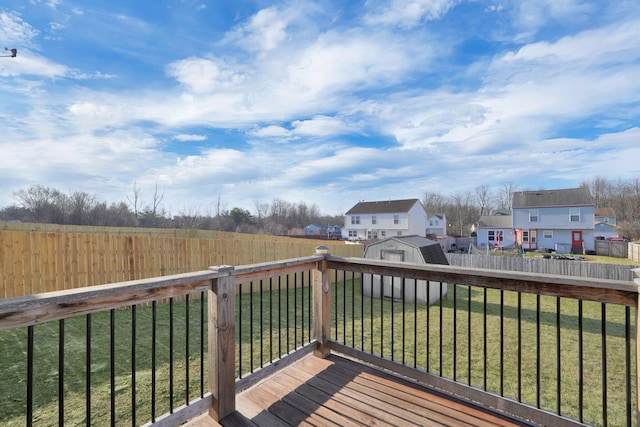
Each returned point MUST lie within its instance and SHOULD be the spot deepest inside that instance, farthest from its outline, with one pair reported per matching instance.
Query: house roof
(431, 250)
(550, 198)
(495, 221)
(605, 212)
(385, 206)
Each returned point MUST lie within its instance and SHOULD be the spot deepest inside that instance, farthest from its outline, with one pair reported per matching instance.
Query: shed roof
(384, 206)
(430, 250)
(550, 198)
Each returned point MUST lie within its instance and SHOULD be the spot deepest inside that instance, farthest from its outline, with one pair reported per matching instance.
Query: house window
(574, 215)
(399, 233)
(529, 236)
(374, 220)
(353, 233)
(533, 215)
(495, 236)
(383, 234)
(547, 234)
(355, 219)
(396, 219)
(606, 220)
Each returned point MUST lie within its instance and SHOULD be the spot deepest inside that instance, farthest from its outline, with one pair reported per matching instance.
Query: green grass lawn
(378, 326)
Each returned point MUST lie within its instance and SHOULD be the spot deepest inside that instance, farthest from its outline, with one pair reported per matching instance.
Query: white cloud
(187, 137)
(264, 31)
(406, 13)
(201, 75)
(531, 15)
(14, 31)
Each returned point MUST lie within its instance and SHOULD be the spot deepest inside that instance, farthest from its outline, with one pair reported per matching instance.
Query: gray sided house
(496, 231)
(415, 249)
(554, 219)
(605, 223)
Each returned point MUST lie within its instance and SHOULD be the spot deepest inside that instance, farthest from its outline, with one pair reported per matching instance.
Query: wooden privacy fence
(33, 262)
(634, 252)
(613, 249)
(544, 266)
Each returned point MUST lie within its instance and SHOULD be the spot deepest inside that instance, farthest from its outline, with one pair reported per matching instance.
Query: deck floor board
(340, 392)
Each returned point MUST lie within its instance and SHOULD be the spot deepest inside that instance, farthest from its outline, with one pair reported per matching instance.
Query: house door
(576, 239)
(392, 286)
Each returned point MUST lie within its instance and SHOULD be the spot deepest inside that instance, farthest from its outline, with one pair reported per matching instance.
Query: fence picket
(44, 259)
(543, 266)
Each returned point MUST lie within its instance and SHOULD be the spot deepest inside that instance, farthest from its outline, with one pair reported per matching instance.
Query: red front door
(576, 239)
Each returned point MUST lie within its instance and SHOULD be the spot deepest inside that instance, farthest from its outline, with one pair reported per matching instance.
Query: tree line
(40, 204)
(462, 209)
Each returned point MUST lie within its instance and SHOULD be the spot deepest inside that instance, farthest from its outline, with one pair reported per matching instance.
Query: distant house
(313, 229)
(605, 223)
(496, 230)
(382, 219)
(437, 225)
(415, 249)
(554, 219)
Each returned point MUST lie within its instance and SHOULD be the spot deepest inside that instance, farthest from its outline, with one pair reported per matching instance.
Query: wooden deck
(342, 392)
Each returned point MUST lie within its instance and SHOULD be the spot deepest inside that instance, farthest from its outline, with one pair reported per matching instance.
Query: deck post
(637, 339)
(222, 357)
(321, 299)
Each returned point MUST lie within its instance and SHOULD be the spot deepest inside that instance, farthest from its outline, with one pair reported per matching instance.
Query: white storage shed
(414, 249)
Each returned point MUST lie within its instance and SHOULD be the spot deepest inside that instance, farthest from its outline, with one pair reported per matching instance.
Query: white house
(496, 230)
(437, 225)
(382, 219)
(562, 220)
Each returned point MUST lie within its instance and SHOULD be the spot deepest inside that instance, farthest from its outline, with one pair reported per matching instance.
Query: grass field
(378, 326)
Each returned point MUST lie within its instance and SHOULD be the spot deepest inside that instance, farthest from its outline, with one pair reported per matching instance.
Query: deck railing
(554, 350)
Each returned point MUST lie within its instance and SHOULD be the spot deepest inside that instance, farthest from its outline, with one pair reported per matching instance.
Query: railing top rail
(265, 270)
(34, 309)
(585, 288)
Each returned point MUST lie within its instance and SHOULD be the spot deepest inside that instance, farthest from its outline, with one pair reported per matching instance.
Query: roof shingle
(385, 206)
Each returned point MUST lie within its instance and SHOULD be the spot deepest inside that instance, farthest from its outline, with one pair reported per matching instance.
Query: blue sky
(326, 102)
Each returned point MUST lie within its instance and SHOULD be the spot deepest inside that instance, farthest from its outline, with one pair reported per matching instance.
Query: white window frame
(574, 214)
(374, 220)
(547, 234)
(355, 219)
(534, 215)
(396, 219)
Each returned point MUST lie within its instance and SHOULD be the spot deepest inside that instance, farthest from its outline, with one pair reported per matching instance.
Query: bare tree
(484, 197)
(505, 195)
(135, 201)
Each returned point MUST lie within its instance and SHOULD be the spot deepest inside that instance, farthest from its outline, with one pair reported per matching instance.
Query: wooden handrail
(588, 289)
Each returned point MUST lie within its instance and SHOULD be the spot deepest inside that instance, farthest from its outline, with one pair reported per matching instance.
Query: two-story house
(382, 219)
(554, 219)
(437, 225)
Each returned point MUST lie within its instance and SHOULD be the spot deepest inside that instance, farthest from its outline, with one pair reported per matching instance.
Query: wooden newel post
(637, 281)
(222, 355)
(321, 300)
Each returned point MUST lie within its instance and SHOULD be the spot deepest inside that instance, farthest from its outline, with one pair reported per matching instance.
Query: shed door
(392, 287)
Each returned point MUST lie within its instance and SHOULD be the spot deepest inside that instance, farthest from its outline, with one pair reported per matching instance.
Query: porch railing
(550, 349)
